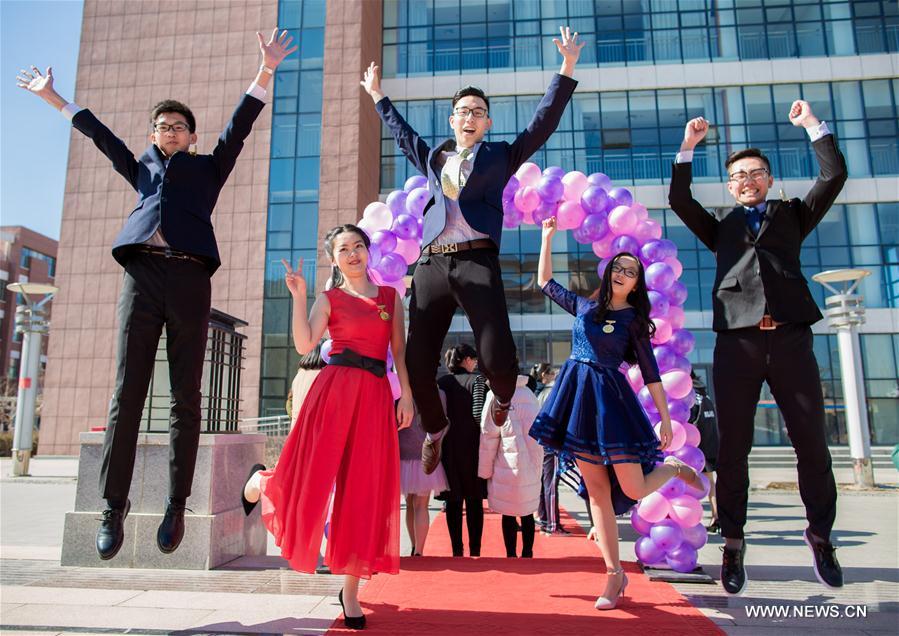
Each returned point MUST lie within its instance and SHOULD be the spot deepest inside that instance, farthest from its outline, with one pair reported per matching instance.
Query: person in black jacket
(762, 313)
(168, 250)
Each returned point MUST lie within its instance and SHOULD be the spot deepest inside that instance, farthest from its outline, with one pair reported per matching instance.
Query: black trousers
(548, 508)
(157, 292)
(474, 520)
(510, 535)
(470, 280)
(784, 358)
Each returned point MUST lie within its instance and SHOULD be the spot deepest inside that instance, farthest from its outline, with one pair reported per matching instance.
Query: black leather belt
(452, 248)
(167, 252)
(349, 358)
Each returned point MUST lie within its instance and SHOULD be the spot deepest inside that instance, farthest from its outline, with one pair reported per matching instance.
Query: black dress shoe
(714, 527)
(733, 572)
(249, 505)
(827, 568)
(111, 533)
(171, 529)
(353, 622)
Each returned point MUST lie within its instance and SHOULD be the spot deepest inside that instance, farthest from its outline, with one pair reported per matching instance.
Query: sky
(34, 137)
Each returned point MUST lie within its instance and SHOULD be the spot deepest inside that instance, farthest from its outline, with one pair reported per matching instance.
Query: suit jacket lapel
(153, 156)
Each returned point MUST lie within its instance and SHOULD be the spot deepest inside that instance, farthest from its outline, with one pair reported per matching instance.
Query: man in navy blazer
(168, 250)
(463, 222)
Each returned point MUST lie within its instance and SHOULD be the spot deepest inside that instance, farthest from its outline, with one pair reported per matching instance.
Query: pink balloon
(663, 331)
(529, 174)
(416, 201)
(379, 214)
(647, 230)
(527, 199)
(639, 524)
(693, 436)
(603, 247)
(640, 211)
(367, 226)
(677, 384)
(399, 286)
(678, 435)
(686, 511)
(635, 378)
(409, 249)
(676, 316)
(675, 265)
(622, 220)
(575, 183)
(395, 387)
(653, 507)
(570, 215)
(326, 350)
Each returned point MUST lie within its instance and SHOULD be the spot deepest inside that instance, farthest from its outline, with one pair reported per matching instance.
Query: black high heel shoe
(249, 505)
(353, 622)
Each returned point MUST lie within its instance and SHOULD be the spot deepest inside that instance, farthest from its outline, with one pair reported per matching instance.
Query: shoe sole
(247, 505)
(125, 516)
(815, 565)
(742, 590)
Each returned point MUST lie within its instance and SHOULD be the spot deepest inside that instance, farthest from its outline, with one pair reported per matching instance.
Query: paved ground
(262, 596)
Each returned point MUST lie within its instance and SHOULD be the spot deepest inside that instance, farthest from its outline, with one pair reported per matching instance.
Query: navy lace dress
(592, 413)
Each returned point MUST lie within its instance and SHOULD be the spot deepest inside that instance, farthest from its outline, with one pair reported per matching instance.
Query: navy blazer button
(163, 199)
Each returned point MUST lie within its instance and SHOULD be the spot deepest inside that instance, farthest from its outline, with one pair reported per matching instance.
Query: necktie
(451, 179)
(754, 219)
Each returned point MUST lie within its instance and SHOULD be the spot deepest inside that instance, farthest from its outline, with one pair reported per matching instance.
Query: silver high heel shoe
(603, 603)
(684, 472)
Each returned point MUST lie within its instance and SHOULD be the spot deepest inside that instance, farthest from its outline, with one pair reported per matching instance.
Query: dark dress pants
(470, 280)
(157, 292)
(548, 508)
(784, 358)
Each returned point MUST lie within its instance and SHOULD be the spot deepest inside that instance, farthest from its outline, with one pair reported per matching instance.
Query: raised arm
(230, 142)
(545, 264)
(83, 120)
(680, 198)
(831, 164)
(407, 140)
(307, 331)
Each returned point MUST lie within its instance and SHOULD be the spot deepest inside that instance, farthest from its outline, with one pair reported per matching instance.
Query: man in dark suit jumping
(463, 223)
(762, 313)
(168, 250)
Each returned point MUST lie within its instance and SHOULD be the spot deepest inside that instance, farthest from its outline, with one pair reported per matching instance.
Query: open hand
(568, 45)
(275, 50)
(34, 82)
(801, 114)
(371, 81)
(296, 284)
(549, 228)
(695, 131)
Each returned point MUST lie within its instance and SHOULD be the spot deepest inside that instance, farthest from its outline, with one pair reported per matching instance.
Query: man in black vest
(762, 313)
(168, 250)
(463, 223)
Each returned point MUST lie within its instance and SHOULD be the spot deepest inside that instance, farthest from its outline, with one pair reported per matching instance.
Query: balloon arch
(668, 520)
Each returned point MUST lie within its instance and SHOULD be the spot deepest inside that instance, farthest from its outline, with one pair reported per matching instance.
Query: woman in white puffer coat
(512, 461)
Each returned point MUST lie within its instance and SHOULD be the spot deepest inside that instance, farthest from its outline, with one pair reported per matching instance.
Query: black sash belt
(349, 358)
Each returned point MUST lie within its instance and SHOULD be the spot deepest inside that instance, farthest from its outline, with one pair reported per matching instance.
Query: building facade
(318, 155)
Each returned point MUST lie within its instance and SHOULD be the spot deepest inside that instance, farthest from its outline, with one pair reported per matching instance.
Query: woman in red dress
(346, 433)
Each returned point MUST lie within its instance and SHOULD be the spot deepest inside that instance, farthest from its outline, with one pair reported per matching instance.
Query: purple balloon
(672, 488)
(691, 456)
(669, 249)
(594, 226)
(683, 364)
(621, 196)
(625, 243)
(554, 171)
(416, 201)
(392, 267)
(550, 189)
(385, 240)
(667, 534)
(659, 304)
(416, 181)
(640, 524)
(396, 201)
(677, 410)
(665, 358)
(600, 180)
(544, 211)
(374, 255)
(682, 341)
(677, 293)
(405, 226)
(699, 494)
(511, 187)
(696, 536)
(645, 398)
(595, 199)
(647, 551)
(682, 559)
(659, 276)
(652, 251)
(602, 265)
(512, 217)
(578, 235)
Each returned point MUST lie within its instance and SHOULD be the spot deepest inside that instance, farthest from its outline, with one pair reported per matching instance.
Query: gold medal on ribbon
(382, 312)
(609, 327)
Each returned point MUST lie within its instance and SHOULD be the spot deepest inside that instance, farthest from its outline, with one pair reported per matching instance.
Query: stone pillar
(351, 129)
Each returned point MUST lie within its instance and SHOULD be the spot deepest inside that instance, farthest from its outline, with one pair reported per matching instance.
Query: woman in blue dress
(592, 413)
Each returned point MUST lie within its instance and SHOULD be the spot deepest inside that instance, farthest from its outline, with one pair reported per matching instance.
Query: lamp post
(32, 324)
(845, 312)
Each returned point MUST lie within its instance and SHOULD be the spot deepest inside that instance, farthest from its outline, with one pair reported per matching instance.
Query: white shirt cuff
(257, 91)
(684, 156)
(816, 132)
(70, 110)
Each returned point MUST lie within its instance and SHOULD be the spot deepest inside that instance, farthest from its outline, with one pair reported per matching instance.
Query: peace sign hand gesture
(296, 284)
(275, 50)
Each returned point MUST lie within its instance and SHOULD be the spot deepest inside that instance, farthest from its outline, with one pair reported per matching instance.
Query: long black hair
(313, 359)
(638, 299)
(336, 279)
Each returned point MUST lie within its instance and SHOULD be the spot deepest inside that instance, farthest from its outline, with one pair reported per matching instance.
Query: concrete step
(785, 457)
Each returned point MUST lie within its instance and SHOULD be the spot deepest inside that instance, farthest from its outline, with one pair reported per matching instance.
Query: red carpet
(552, 593)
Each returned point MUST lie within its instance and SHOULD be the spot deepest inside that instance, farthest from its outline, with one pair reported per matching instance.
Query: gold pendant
(382, 312)
(609, 327)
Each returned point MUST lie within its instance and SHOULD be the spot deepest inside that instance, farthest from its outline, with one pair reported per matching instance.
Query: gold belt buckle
(452, 248)
(767, 323)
